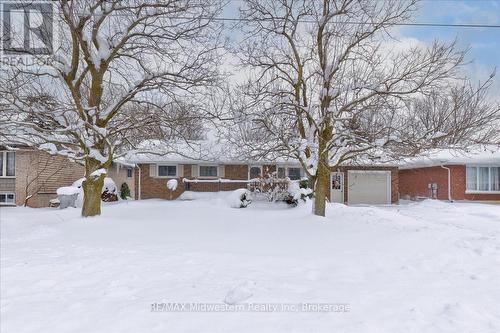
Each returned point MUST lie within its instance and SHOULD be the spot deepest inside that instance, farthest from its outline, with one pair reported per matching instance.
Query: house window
(281, 172)
(129, 172)
(483, 178)
(167, 170)
(208, 171)
(471, 176)
(255, 172)
(7, 199)
(294, 173)
(495, 178)
(7, 164)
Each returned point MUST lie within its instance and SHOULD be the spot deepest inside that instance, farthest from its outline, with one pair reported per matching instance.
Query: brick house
(348, 184)
(33, 176)
(452, 175)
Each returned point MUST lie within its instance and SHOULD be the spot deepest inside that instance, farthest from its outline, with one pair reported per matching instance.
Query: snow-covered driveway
(416, 267)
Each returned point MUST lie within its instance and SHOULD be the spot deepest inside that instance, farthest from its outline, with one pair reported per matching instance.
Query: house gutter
(449, 182)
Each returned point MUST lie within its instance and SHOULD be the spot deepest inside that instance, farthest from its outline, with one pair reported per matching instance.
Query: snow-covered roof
(217, 151)
(199, 151)
(474, 155)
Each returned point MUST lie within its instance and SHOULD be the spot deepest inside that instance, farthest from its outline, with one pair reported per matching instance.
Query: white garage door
(369, 187)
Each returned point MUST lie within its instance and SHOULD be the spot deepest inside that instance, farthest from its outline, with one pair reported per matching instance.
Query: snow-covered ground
(417, 267)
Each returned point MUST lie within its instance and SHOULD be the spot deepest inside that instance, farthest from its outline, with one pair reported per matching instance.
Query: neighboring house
(214, 170)
(452, 175)
(31, 177)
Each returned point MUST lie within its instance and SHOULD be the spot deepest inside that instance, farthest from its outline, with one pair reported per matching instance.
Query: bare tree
(178, 121)
(114, 56)
(459, 116)
(325, 88)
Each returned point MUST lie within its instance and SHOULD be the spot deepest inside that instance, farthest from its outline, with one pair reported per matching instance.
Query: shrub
(239, 198)
(125, 191)
(107, 196)
(297, 191)
(304, 183)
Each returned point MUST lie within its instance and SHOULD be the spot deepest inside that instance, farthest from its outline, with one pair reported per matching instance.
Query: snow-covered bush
(109, 197)
(270, 188)
(172, 184)
(274, 189)
(110, 191)
(124, 191)
(297, 190)
(239, 198)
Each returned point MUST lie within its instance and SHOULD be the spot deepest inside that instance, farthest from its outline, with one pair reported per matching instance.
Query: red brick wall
(153, 187)
(394, 180)
(414, 183)
(237, 172)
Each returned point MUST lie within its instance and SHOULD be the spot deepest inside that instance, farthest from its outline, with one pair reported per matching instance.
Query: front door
(337, 187)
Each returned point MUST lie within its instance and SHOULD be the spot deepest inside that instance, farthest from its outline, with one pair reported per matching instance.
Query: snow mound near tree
(109, 185)
(222, 198)
(76, 187)
(67, 190)
(238, 198)
(190, 195)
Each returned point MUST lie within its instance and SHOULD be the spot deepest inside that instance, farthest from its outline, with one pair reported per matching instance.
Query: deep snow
(417, 267)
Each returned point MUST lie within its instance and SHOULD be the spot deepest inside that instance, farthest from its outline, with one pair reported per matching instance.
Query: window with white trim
(7, 164)
(7, 199)
(294, 173)
(130, 172)
(483, 178)
(208, 171)
(167, 170)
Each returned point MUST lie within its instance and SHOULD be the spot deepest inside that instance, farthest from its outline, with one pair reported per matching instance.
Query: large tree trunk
(92, 188)
(322, 184)
(321, 190)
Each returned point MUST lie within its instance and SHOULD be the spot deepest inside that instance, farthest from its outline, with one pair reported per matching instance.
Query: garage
(369, 187)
